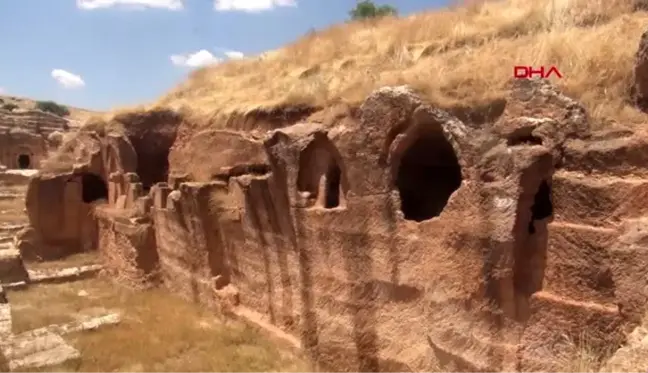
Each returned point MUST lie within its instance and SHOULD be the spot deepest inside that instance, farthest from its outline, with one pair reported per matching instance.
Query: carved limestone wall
(396, 238)
(25, 137)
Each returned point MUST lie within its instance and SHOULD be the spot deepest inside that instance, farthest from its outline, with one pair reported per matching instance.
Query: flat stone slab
(28, 351)
(86, 323)
(12, 227)
(63, 275)
(18, 285)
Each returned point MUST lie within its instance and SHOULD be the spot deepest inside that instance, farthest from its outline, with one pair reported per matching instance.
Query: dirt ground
(159, 332)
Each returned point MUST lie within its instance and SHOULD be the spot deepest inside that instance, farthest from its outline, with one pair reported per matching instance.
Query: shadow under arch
(93, 188)
(24, 161)
(425, 168)
(321, 177)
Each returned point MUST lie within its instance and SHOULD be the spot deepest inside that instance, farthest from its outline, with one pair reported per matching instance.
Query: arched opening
(24, 161)
(320, 179)
(93, 188)
(428, 174)
(332, 190)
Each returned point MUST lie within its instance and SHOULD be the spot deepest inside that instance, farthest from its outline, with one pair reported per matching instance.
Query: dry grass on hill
(462, 56)
(159, 332)
(76, 114)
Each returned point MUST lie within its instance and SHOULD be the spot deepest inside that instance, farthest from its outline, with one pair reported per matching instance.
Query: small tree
(366, 9)
(53, 107)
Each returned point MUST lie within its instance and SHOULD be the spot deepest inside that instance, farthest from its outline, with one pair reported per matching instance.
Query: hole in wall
(523, 136)
(428, 174)
(531, 241)
(542, 207)
(320, 176)
(24, 161)
(524, 140)
(93, 188)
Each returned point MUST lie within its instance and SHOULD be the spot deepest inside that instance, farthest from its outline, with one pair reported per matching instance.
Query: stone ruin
(390, 236)
(27, 136)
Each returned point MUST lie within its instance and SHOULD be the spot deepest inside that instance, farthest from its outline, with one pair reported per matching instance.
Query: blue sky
(99, 54)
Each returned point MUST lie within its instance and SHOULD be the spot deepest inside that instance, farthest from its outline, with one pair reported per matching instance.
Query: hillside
(454, 57)
(76, 114)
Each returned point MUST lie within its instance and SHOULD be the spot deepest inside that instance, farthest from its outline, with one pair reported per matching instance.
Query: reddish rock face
(392, 236)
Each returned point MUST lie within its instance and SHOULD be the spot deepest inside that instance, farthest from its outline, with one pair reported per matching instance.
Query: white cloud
(251, 5)
(201, 58)
(2, 91)
(234, 55)
(67, 79)
(137, 4)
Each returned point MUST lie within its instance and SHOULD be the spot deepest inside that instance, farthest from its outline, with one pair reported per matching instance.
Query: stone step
(40, 351)
(578, 262)
(466, 352)
(619, 155)
(11, 196)
(555, 324)
(64, 275)
(602, 201)
(12, 268)
(630, 258)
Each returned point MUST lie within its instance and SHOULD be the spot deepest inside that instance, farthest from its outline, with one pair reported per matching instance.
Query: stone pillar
(115, 181)
(160, 194)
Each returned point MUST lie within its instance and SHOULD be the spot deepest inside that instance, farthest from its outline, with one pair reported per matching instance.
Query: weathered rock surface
(632, 356)
(390, 236)
(25, 351)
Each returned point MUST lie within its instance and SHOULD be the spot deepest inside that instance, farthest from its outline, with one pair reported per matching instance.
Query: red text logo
(522, 72)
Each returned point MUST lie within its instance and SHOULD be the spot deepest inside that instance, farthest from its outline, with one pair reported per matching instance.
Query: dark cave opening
(429, 173)
(332, 191)
(530, 248)
(93, 188)
(24, 161)
(542, 207)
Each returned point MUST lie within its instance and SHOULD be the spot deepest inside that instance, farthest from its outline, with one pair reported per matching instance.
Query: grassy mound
(461, 56)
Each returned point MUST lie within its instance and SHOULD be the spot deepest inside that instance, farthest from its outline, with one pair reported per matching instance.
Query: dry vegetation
(461, 56)
(159, 332)
(26, 103)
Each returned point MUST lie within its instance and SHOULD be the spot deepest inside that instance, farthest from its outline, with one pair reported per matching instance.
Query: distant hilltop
(71, 113)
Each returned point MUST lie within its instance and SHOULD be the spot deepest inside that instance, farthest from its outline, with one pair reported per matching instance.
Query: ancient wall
(25, 137)
(376, 267)
(399, 239)
(61, 204)
(128, 249)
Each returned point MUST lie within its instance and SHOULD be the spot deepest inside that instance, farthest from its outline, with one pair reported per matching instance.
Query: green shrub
(366, 9)
(53, 107)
